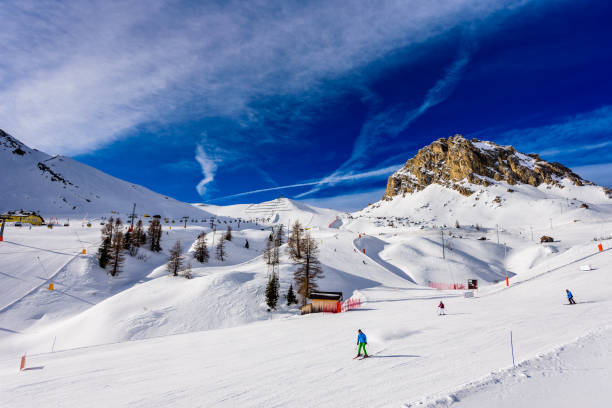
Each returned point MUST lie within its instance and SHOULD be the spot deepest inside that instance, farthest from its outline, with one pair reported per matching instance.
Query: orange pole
(600, 247)
(22, 366)
(507, 282)
(364, 250)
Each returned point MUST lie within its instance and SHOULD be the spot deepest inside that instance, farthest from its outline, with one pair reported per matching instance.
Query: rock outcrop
(462, 164)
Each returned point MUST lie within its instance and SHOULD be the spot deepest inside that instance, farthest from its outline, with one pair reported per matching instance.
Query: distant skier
(570, 297)
(361, 343)
(441, 309)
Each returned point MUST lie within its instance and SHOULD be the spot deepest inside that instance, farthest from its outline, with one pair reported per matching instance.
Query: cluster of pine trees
(116, 240)
(304, 252)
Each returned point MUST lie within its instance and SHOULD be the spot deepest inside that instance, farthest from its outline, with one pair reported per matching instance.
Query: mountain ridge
(465, 166)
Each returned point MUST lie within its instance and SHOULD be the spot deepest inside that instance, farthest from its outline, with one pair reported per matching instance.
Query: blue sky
(231, 102)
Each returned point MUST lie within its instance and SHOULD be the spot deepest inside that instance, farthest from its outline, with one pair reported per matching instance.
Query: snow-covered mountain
(60, 186)
(455, 181)
(281, 210)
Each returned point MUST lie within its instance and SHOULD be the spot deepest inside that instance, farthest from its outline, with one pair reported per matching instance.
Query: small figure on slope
(361, 343)
(441, 309)
(570, 297)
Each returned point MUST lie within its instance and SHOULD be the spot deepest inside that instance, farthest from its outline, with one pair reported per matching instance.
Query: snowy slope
(306, 361)
(278, 211)
(61, 186)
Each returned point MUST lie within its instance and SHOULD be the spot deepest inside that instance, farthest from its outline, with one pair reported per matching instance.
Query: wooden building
(28, 217)
(328, 302)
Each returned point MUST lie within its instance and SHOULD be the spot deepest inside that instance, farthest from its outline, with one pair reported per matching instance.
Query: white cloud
(78, 75)
(209, 168)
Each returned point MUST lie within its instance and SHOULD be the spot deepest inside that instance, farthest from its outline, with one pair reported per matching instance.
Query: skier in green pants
(361, 343)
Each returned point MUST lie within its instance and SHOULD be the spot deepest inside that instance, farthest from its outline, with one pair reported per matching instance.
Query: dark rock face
(460, 164)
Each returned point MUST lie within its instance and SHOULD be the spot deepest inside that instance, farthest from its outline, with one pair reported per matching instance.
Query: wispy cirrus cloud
(345, 178)
(209, 168)
(389, 123)
(76, 76)
(564, 138)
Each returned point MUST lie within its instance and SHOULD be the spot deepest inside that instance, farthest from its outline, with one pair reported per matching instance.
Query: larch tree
(220, 250)
(155, 232)
(296, 241)
(104, 251)
(116, 258)
(269, 252)
(175, 263)
(309, 269)
(201, 249)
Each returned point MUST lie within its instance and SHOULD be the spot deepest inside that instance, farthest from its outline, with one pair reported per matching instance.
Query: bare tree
(201, 249)
(117, 258)
(155, 232)
(175, 262)
(296, 241)
(228, 233)
(220, 250)
(309, 269)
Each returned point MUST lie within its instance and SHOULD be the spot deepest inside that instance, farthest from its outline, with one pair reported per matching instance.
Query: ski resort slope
(59, 186)
(275, 212)
(418, 358)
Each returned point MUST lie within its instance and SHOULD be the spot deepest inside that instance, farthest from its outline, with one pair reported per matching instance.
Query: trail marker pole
(497, 228)
(506, 269)
(23, 363)
(512, 348)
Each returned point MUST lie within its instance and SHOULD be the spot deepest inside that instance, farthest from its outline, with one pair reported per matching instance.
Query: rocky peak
(461, 164)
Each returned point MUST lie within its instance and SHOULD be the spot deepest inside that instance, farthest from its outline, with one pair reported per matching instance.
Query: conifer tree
(220, 250)
(155, 233)
(117, 258)
(272, 291)
(201, 249)
(228, 233)
(309, 269)
(175, 262)
(291, 299)
(246, 244)
(104, 252)
(296, 241)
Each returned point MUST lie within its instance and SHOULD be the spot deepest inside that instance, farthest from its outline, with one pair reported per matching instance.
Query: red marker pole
(507, 282)
(22, 366)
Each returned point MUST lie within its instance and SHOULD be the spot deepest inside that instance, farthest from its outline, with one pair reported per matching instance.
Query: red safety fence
(446, 286)
(350, 304)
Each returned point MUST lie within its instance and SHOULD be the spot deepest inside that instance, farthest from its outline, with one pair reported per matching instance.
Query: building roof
(326, 295)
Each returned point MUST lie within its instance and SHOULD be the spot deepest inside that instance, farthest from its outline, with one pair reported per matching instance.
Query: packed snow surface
(147, 339)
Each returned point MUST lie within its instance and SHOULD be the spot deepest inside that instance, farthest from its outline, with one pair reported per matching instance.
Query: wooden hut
(328, 302)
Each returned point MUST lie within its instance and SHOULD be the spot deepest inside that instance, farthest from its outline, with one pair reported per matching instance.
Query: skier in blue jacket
(361, 343)
(570, 297)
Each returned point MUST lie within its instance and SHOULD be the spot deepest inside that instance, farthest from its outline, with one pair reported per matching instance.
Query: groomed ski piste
(145, 339)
